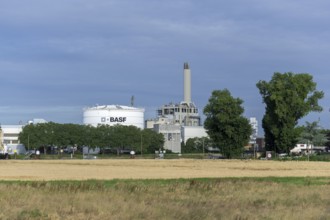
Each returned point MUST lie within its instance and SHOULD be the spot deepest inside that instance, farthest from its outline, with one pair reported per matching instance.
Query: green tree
(326, 132)
(151, 141)
(196, 145)
(192, 146)
(224, 123)
(44, 135)
(313, 134)
(288, 97)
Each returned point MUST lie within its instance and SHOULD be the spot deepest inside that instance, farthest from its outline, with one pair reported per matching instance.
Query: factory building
(9, 142)
(172, 136)
(114, 114)
(253, 137)
(178, 122)
(254, 124)
(9, 139)
(10, 133)
(184, 113)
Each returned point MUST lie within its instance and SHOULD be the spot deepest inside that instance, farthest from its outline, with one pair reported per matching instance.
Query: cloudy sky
(57, 57)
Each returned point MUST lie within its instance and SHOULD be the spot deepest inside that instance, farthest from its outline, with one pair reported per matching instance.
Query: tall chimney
(187, 83)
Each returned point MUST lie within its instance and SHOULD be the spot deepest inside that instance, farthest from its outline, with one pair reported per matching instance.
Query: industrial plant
(176, 121)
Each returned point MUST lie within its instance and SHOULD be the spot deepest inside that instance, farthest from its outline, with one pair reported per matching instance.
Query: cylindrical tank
(114, 114)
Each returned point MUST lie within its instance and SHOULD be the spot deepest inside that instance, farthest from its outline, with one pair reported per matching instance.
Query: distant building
(185, 114)
(172, 136)
(253, 144)
(192, 132)
(10, 133)
(9, 138)
(254, 135)
(37, 121)
(178, 122)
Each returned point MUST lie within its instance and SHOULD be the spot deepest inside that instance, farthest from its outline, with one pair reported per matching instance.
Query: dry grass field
(164, 189)
(222, 198)
(155, 169)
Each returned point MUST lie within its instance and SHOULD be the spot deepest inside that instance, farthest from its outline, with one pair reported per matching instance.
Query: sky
(58, 57)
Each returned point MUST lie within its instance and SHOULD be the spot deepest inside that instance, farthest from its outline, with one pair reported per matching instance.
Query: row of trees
(288, 97)
(117, 137)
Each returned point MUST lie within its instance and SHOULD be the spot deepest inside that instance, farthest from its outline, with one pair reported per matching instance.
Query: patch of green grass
(297, 180)
(99, 185)
(32, 214)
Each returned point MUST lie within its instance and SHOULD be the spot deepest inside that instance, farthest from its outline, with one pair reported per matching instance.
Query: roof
(112, 107)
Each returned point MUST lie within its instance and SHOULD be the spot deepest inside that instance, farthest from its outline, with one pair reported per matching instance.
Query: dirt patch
(154, 169)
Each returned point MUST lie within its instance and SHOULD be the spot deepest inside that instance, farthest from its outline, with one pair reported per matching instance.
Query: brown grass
(155, 169)
(190, 199)
(162, 199)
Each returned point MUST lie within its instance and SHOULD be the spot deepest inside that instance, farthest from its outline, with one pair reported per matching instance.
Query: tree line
(47, 135)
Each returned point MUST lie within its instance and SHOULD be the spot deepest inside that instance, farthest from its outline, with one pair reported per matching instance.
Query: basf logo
(113, 119)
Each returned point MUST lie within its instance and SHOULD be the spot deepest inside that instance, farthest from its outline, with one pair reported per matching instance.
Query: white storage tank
(114, 114)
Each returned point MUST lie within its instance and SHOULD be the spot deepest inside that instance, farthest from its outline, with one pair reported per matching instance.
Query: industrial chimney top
(186, 66)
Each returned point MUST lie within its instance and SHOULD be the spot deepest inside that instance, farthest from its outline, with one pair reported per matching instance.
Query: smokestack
(187, 83)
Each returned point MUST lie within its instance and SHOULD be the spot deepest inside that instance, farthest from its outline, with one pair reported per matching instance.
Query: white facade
(37, 121)
(114, 114)
(9, 139)
(172, 136)
(192, 132)
(254, 135)
(10, 133)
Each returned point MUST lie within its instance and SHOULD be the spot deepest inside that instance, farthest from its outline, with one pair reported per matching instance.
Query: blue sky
(57, 57)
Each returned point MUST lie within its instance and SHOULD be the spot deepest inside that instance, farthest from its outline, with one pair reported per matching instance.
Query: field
(156, 169)
(164, 189)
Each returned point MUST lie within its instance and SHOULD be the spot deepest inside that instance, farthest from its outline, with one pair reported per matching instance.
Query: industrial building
(184, 113)
(254, 144)
(178, 122)
(114, 114)
(172, 135)
(9, 137)
(254, 124)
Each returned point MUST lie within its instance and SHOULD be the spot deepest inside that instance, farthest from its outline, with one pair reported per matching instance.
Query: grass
(201, 198)
(164, 189)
